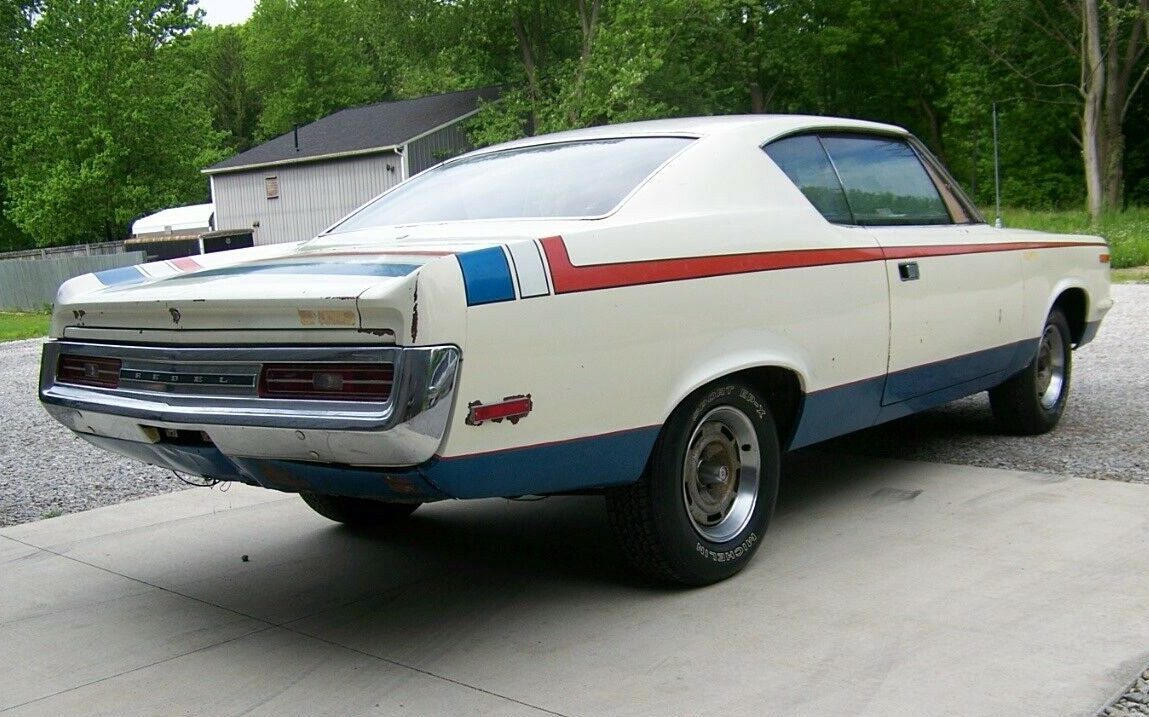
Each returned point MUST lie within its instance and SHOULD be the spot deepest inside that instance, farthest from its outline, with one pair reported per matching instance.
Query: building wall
(440, 145)
(312, 195)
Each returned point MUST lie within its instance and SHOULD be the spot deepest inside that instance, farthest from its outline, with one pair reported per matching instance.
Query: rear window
(565, 180)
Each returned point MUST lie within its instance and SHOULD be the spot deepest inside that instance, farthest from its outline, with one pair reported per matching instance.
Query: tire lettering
(728, 555)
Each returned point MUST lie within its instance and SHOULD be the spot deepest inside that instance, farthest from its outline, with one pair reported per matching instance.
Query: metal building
(294, 186)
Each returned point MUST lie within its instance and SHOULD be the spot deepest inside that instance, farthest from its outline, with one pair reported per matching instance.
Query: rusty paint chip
(327, 317)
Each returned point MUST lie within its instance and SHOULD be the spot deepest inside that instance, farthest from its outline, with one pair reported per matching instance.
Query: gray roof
(362, 129)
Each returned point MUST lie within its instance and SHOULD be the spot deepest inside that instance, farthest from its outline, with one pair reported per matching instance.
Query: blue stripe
(579, 464)
(610, 459)
(123, 275)
(329, 479)
(486, 276)
(1017, 355)
(323, 268)
(840, 410)
(917, 381)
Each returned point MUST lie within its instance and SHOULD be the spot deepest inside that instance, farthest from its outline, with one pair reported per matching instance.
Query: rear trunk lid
(287, 288)
(310, 285)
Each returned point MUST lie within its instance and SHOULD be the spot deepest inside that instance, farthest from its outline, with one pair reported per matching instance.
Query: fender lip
(1089, 333)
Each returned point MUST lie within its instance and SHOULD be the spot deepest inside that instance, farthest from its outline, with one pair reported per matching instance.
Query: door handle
(908, 271)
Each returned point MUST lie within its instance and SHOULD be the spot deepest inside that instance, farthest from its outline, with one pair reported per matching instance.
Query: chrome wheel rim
(1050, 367)
(720, 474)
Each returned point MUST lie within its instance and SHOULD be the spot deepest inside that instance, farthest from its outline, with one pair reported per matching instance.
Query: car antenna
(996, 173)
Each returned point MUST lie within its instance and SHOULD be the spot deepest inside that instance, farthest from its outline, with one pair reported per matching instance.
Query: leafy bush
(1127, 232)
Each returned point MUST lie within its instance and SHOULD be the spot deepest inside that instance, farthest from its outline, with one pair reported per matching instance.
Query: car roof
(766, 126)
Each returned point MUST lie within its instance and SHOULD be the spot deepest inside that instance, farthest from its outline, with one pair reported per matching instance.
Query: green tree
(107, 124)
(307, 59)
(424, 47)
(15, 22)
(218, 52)
(575, 64)
(1090, 55)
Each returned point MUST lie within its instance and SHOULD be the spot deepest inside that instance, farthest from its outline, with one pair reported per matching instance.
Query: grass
(1127, 232)
(14, 326)
(1132, 275)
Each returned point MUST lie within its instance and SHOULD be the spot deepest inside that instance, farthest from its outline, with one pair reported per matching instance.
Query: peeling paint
(399, 484)
(415, 312)
(385, 333)
(175, 315)
(327, 317)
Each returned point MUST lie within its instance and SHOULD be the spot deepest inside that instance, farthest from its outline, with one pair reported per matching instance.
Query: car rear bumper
(191, 407)
(291, 476)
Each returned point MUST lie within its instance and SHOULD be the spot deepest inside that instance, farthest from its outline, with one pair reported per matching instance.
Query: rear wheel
(360, 512)
(700, 509)
(1032, 401)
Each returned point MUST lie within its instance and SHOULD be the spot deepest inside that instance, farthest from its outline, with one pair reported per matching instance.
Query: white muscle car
(652, 311)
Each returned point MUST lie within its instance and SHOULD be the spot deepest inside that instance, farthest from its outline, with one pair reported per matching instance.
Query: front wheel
(1032, 401)
(358, 512)
(699, 511)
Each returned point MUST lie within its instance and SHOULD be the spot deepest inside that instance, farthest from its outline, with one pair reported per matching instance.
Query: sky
(226, 12)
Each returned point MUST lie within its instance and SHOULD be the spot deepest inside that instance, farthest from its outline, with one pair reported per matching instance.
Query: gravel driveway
(1101, 435)
(45, 471)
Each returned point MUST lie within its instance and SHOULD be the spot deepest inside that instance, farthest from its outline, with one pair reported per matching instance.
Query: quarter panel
(1050, 272)
(617, 359)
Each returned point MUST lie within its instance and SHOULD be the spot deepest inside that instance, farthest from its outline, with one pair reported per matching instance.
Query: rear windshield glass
(572, 179)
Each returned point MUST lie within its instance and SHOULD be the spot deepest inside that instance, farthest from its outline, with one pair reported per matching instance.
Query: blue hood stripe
(124, 275)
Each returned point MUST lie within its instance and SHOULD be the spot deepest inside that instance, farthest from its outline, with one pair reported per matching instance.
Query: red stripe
(915, 252)
(320, 255)
(570, 278)
(185, 263)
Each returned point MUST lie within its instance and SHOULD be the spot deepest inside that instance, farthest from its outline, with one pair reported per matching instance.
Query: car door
(845, 302)
(955, 294)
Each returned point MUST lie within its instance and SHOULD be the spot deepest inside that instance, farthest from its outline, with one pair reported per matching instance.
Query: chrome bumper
(405, 430)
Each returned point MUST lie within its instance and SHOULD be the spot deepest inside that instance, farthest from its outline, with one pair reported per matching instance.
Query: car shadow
(917, 436)
(559, 539)
(570, 538)
(464, 555)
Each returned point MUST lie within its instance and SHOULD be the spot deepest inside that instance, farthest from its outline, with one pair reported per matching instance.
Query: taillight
(88, 371)
(331, 382)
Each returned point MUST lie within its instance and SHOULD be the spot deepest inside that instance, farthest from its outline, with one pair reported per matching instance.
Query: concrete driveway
(885, 588)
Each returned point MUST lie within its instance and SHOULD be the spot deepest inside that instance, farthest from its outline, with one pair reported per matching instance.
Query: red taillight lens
(88, 371)
(331, 382)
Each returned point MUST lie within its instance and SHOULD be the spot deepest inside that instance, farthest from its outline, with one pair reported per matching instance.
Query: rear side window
(804, 161)
(885, 182)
